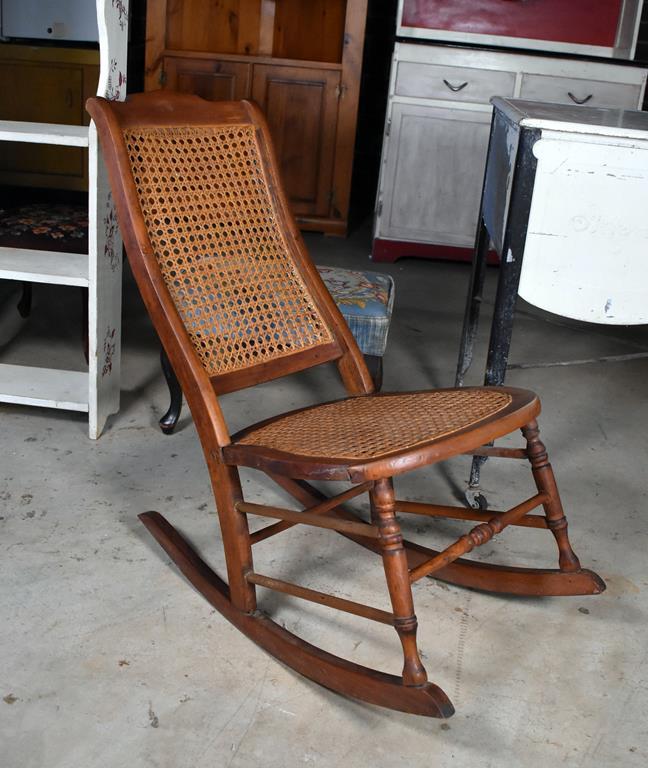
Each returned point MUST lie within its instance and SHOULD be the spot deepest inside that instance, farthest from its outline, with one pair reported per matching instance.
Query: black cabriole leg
(25, 304)
(170, 419)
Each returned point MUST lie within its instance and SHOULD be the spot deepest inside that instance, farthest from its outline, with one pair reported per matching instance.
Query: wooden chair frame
(292, 469)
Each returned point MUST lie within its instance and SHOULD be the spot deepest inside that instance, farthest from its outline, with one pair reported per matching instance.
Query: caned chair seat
(361, 438)
(236, 301)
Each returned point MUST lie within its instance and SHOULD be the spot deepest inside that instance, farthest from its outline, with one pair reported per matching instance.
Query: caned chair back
(208, 229)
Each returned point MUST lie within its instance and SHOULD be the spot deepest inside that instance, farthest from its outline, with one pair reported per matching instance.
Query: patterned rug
(46, 226)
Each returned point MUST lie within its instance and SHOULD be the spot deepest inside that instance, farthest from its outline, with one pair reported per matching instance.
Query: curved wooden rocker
(236, 301)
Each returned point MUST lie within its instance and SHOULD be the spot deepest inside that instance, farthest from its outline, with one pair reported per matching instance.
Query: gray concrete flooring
(108, 658)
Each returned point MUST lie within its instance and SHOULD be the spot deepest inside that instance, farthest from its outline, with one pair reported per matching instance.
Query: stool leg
(170, 419)
(375, 366)
(397, 576)
(545, 481)
(25, 304)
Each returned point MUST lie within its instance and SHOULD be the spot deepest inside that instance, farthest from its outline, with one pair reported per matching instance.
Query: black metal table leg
(473, 303)
(514, 240)
(170, 419)
(511, 260)
(498, 352)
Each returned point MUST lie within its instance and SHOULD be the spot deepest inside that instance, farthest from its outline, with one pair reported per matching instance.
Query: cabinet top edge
(243, 58)
(50, 54)
(600, 121)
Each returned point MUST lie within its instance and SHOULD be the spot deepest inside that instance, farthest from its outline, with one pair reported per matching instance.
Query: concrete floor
(110, 659)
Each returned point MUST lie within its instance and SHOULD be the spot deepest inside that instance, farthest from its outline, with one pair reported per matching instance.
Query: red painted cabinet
(600, 27)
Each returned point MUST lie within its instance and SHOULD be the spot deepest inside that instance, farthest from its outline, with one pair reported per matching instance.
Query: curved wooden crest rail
(236, 301)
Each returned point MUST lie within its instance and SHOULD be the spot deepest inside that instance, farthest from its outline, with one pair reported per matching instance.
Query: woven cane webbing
(210, 219)
(375, 425)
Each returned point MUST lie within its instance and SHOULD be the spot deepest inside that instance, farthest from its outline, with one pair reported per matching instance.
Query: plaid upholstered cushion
(365, 300)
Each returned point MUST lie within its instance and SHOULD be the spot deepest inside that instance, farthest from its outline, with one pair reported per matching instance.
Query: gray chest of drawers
(437, 127)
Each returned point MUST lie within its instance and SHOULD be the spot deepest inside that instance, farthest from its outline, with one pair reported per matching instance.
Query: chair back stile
(214, 249)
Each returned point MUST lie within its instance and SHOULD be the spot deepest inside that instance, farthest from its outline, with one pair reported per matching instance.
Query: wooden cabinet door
(41, 93)
(301, 105)
(431, 186)
(211, 79)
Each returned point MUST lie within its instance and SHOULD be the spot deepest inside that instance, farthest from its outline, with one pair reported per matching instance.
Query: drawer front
(433, 81)
(574, 90)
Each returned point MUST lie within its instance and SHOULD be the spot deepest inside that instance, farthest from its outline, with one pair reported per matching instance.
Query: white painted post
(105, 243)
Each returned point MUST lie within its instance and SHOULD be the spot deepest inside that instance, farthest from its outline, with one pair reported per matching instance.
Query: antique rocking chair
(236, 301)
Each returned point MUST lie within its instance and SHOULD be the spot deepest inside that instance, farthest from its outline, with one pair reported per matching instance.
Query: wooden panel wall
(309, 31)
(226, 26)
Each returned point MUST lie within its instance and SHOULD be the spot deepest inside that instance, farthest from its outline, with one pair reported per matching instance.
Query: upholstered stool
(365, 300)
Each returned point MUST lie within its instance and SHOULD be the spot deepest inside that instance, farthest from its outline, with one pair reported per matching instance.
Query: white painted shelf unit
(97, 390)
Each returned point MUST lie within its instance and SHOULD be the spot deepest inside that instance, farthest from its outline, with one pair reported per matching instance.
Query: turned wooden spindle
(397, 576)
(546, 482)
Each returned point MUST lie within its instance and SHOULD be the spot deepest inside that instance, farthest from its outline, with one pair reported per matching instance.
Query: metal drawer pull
(577, 100)
(455, 88)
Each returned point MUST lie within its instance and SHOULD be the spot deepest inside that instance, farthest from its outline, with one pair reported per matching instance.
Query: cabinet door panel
(300, 104)
(432, 183)
(55, 95)
(211, 79)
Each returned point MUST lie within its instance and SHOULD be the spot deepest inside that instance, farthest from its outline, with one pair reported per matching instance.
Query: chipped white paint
(105, 253)
(44, 133)
(587, 239)
(498, 181)
(45, 387)
(44, 266)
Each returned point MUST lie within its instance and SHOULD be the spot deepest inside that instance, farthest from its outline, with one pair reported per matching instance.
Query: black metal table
(595, 166)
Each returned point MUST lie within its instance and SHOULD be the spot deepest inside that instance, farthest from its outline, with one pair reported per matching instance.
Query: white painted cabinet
(584, 252)
(97, 391)
(437, 128)
(439, 153)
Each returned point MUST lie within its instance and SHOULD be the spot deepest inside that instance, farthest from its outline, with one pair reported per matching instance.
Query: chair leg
(545, 481)
(398, 583)
(239, 592)
(333, 672)
(236, 536)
